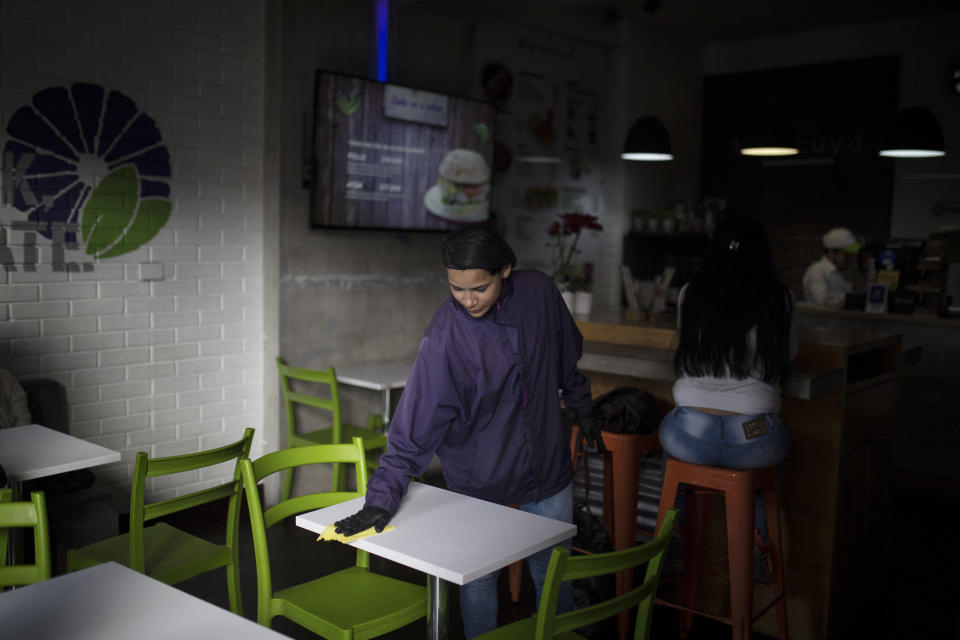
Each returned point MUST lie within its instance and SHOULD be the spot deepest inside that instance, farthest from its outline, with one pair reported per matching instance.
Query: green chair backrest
(28, 515)
(146, 467)
(292, 397)
(254, 471)
(563, 567)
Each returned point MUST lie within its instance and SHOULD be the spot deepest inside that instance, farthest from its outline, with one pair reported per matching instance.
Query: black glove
(591, 432)
(363, 520)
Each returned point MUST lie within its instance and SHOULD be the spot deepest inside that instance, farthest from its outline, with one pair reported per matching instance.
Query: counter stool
(738, 488)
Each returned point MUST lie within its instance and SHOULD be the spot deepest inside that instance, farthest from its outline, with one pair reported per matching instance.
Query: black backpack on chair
(627, 410)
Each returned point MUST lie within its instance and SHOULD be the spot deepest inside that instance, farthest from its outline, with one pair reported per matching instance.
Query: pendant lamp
(648, 141)
(768, 134)
(915, 133)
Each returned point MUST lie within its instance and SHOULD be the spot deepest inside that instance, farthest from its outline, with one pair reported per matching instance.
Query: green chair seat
(348, 433)
(169, 554)
(352, 603)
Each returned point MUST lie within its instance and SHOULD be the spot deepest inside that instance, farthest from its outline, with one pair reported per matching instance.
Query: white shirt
(823, 283)
(750, 395)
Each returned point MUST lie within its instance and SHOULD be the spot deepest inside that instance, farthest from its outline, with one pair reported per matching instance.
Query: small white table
(33, 451)
(384, 376)
(450, 537)
(111, 602)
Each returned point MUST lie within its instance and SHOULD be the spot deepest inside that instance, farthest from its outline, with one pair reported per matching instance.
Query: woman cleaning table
(482, 395)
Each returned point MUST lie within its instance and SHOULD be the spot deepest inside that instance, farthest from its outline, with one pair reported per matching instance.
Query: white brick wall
(174, 365)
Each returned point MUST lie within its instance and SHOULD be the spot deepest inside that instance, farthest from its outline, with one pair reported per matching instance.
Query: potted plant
(574, 279)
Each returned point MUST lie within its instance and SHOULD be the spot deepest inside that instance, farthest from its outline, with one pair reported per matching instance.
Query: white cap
(841, 238)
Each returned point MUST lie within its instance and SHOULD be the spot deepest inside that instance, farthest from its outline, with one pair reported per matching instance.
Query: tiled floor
(922, 602)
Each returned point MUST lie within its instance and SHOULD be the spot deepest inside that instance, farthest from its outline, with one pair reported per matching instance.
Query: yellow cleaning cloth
(330, 534)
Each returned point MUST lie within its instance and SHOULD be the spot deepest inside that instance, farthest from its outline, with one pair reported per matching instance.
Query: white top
(824, 283)
(33, 451)
(449, 535)
(379, 377)
(749, 396)
(112, 602)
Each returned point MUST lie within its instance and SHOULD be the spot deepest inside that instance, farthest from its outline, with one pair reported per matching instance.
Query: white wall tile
(151, 337)
(20, 329)
(96, 341)
(124, 390)
(174, 352)
(205, 365)
(34, 346)
(173, 385)
(127, 425)
(152, 404)
(19, 293)
(99, 410)
(28, 310)
(135, 355)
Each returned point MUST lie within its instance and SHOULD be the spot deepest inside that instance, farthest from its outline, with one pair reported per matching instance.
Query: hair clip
(734, 245)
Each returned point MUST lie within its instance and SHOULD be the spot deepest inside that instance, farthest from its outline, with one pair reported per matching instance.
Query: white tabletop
(377, 376)
(449, 535)
(34, 451)
(111, 602)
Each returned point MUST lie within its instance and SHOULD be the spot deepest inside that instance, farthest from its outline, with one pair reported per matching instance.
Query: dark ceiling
(703, 19)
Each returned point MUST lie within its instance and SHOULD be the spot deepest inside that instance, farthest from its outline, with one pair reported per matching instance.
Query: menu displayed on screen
(393, 157)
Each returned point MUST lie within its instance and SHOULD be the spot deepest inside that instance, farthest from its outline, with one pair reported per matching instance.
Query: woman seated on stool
(737, 330)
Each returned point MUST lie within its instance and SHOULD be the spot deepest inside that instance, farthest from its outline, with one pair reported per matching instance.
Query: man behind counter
(825, 281)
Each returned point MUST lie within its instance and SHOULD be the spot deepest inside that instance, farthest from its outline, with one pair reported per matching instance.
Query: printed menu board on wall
(393, 157)
(548, 92)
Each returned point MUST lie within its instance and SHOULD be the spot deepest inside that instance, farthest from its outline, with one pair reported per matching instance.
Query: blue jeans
(721, 441)
(478, 599)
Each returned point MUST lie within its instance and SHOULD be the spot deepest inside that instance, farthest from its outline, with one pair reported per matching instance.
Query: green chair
(318, 389)
(25, 515)
(546, 623)
(350, 604)
(163, 551)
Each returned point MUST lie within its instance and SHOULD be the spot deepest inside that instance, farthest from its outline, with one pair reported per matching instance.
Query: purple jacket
(483, 395)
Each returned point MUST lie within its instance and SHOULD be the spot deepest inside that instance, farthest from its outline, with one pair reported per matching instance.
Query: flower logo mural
(90, 160)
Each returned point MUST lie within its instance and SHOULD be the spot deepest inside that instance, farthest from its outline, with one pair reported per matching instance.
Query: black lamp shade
(769, 133)
(648, 140)
(915, 133)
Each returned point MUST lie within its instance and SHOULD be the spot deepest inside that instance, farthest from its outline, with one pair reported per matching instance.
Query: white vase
(582, 303)
(568, 297)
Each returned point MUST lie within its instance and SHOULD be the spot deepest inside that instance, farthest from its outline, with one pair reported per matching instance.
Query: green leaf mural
(112, 223)
(347, 105)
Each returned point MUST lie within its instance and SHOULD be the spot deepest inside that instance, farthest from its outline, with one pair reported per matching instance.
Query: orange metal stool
(738, 488)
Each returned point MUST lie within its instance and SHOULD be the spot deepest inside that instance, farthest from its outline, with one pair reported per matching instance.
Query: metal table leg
(438, 619)
(386, 408)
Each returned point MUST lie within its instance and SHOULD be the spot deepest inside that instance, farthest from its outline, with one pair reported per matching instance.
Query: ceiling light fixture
(769, 134)
(915, 133)
(648, 141)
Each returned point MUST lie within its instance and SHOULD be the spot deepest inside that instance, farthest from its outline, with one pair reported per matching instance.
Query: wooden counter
(917, 318)
(840, 405)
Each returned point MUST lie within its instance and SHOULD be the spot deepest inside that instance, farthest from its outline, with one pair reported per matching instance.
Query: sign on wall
(548, 91)
(83, 165)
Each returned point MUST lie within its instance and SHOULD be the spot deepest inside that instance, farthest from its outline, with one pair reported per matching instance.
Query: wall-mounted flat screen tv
(393, 157)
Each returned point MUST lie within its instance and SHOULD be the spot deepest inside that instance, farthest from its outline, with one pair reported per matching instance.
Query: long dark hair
(476, 246)
(735, 289)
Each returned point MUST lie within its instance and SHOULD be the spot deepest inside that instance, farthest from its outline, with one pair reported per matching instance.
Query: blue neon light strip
(383, 22)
